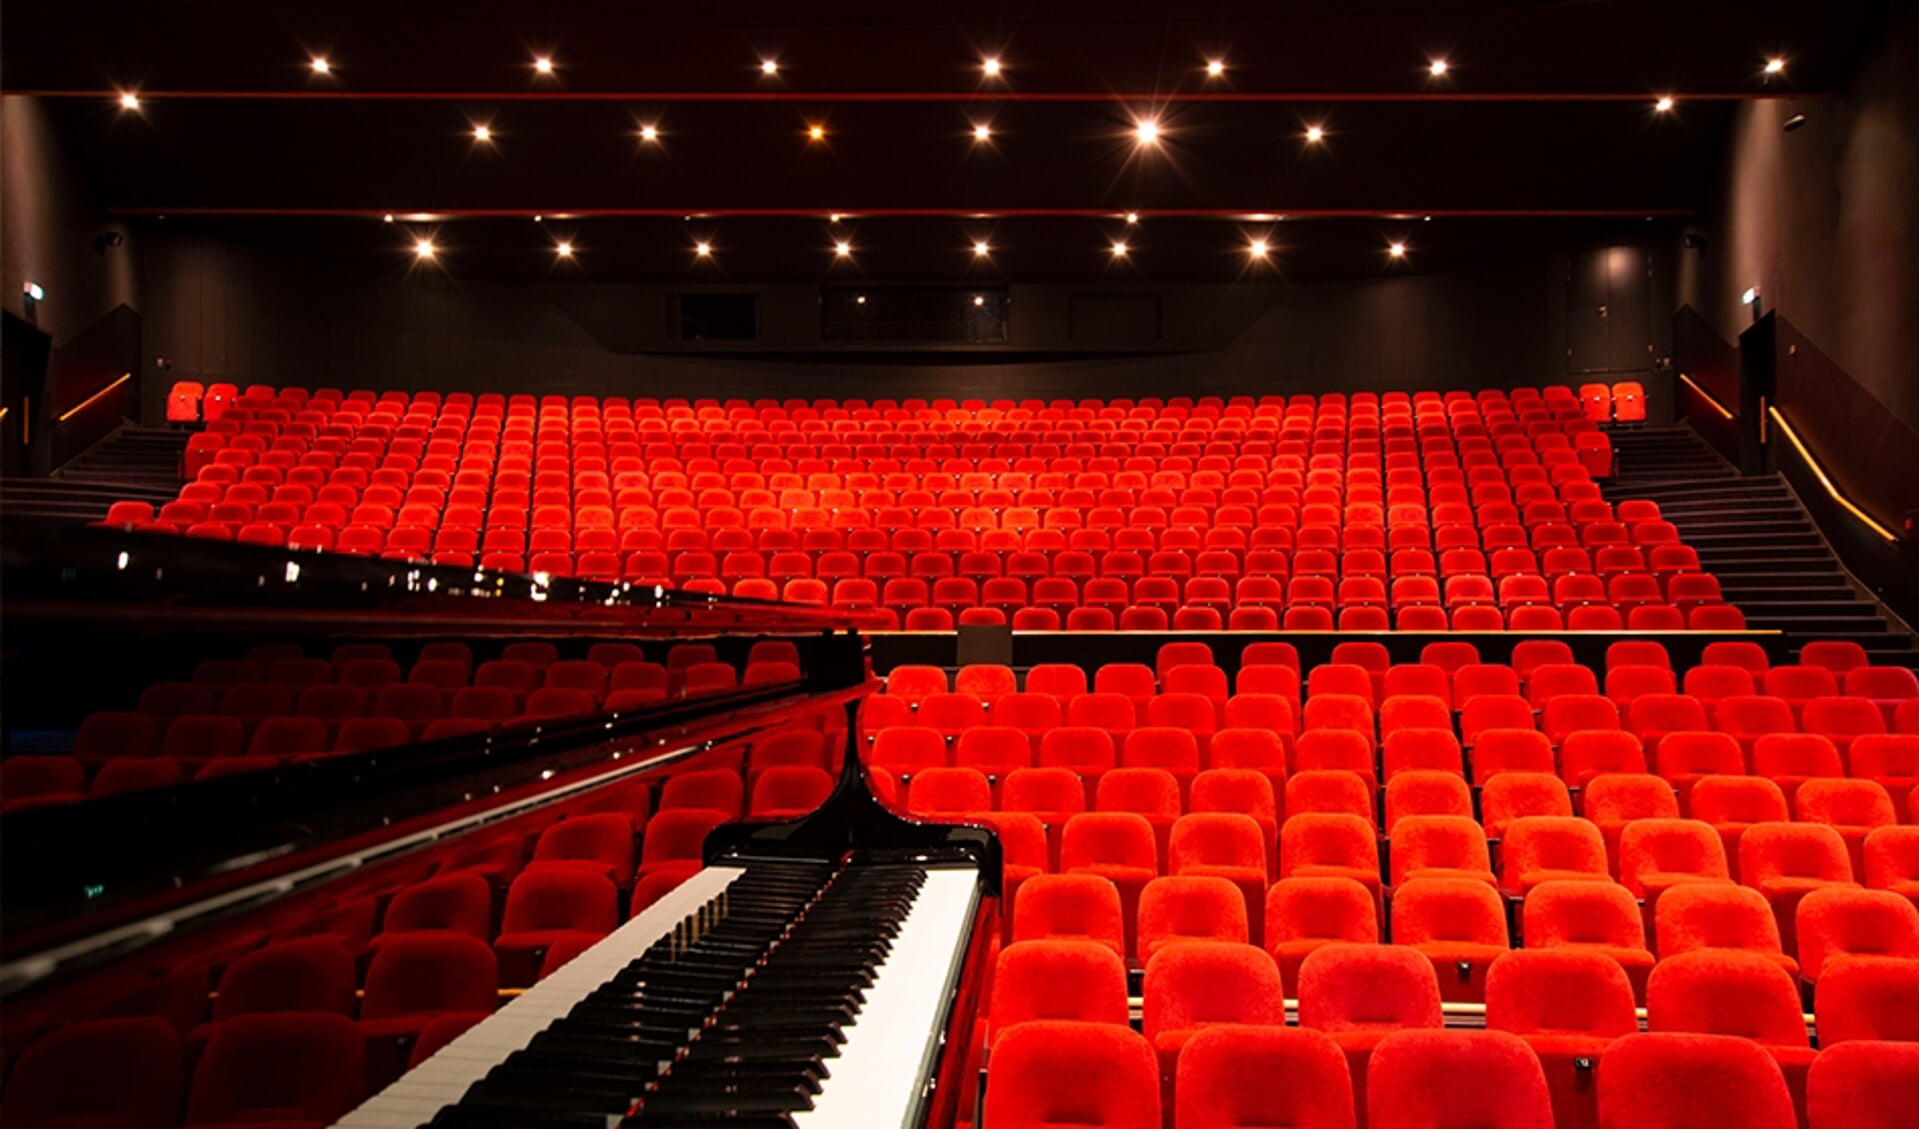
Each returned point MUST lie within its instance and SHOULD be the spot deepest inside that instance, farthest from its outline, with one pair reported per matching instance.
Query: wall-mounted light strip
(1820, 473)
(1711, 401)
(88, 402)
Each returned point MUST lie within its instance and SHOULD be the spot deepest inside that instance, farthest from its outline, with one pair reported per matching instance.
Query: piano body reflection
(821, 971)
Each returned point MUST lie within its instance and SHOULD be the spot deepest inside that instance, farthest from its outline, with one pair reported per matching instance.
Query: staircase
(139, 464)
(1752, 533)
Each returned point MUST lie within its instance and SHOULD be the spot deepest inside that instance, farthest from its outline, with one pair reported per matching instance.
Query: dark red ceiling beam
(436, 214)
(907, 96)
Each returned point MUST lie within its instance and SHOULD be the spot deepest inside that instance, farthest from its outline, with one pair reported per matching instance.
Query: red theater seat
(118, 1073)
(290, 1069)
(1050, 1073)
(1056, 980)
(1683, 1081)
(1234, 1076)
(1425, 1079)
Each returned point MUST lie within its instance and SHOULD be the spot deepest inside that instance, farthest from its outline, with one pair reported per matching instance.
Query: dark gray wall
(47, 227)
(1825, 221)
(221, 310)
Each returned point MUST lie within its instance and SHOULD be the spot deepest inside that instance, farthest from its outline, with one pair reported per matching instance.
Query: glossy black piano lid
(57, 571)
(69, 868)
(854, 819)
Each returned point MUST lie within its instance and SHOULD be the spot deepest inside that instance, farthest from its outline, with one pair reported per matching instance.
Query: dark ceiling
(1544, 119)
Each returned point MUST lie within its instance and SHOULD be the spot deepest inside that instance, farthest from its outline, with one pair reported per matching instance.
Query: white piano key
(442, 1079)
(879, 1077)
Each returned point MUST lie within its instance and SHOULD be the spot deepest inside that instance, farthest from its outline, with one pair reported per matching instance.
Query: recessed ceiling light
(387, 218)
(834, 218)
(1215, 67)
(1148, 131)
(816, 132)
(1257, 248)
(319, 64)
(423, 248)
(1397, 250)
(543, 64)
(981, 248)
(979, 300)
(129, 100)
(1437, 68)
(1119, 248)
(702, 249)
(1132, 217)
(1664, 105)
(842, 249)
(563, 250)
(1776, 65)
(990, 65)
(860, 300)
(1315, 134)
(482, 133)
(769, 66)
(649, 133)
(982, 132)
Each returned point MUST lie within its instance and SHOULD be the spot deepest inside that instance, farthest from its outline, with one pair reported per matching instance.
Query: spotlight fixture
(816, 132)
(842, 249)
(769, 66)
(482, 133)
(1147, 130)
(1665, 104)
(979, 300)
(387, 218)
(1397, 250)
(981, 249)
(423, 249)
(1215, 67)
(859, 300)
(543, 65)
(1257, 248)
(129, 100)
(1119, 248)
(834, 218)
(649, 133)
(1750, 296)
(982, 132)
(703, 250)
(990, 65)
(563, 249)
(1132, 217)
(1793, 122)
(1315, 134)
(320, 65)
(1776, 65)
(34, 291)
(1437, 68)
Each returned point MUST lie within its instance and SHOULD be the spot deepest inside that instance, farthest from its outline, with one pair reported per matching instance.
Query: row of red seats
(1216, 1063)
(1624, 401)
(413, 526)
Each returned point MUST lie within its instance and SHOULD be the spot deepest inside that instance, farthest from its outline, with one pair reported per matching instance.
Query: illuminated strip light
(1819, 472)
(88, 402)
(1711, 401)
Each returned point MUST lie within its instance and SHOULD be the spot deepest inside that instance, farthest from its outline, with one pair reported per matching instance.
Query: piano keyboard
(442, 1079)
(880, 1075)
(788, 995)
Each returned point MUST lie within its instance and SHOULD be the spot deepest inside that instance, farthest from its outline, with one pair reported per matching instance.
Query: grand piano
(818, 971)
